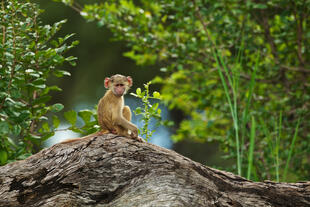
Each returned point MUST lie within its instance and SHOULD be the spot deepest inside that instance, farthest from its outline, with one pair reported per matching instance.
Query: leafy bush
(29, 54)
(88, 119)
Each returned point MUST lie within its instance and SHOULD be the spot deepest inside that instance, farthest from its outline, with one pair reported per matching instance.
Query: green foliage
(292, 146)
(149, 111)
(239, 120)
(83, 122)
(183, 35)
(251, 149)
(29, 55)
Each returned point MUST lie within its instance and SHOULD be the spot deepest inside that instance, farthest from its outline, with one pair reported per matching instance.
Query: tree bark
(109, 170)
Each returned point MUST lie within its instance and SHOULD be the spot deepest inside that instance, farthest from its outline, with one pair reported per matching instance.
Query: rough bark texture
(115, 171)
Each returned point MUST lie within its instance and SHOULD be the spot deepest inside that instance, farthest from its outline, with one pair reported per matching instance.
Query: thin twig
(61, 130)
(295, 69)
(204, 24)
(76, 7)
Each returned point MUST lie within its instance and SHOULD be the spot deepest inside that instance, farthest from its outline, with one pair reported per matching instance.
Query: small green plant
(148, 111)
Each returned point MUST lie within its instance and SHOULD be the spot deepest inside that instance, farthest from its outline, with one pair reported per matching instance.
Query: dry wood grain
(109, 170)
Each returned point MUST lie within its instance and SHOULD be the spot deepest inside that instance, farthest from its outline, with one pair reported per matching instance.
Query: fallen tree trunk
(115, 171)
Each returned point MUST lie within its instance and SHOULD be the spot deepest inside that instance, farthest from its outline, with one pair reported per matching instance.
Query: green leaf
(39, 81)
(68, 36)
(51, 88)
(56, 121)
(155, 106)
(71, 58)
(159, 111)
(142, 94)
(260, 6)
(68, 2)
(15, 93)
(85, 115)
(11, 142)
(47, 135)
(57, 107)
(16, 130)
(163, 69)
(42, 99)
(71, 117)
(42, 86)
(138, 111)
(33, 138)
(4, 95)
(3, 156)
(24, 156)
(156, 95)
(61, 73)
(9, 56)
(45, 127)
(138, 91)
(75, 42)
(54, 88)
(76, 129)
(4, 127)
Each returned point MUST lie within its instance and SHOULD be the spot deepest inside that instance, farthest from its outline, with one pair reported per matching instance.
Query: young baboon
(113, 116)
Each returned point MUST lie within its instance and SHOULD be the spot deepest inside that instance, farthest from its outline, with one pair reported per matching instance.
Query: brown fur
(113, 116)
(90, 135)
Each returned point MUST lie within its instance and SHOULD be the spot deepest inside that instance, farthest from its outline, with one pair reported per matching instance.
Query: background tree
(185, 38)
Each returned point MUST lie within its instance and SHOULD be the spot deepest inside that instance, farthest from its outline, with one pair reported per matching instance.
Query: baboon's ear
(129, 79)
(106, 82)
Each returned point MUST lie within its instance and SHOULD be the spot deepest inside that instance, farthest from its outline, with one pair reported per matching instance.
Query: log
(109, 170)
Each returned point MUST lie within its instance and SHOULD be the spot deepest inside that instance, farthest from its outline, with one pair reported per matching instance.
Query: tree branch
(268, 36)
(109, 170)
